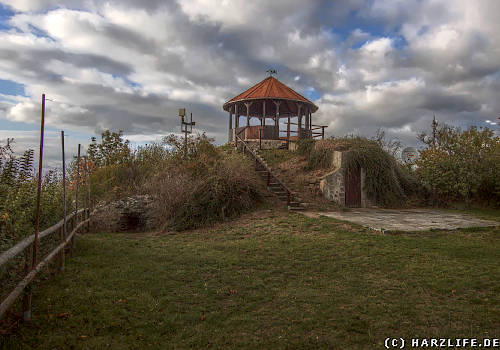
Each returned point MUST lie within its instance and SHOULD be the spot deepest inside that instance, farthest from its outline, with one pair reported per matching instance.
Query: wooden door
(353, 188)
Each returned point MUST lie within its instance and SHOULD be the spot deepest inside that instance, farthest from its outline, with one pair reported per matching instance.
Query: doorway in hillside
(352, 180)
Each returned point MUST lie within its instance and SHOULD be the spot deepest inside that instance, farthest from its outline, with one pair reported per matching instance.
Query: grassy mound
(208, 185)
(388, 183)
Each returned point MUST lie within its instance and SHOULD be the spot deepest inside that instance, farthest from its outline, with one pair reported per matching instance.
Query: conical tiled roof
(270, 88)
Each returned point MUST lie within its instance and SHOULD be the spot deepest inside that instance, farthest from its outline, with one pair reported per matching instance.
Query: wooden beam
(264, 112)
(247, 105)
(288, 130)
(299, 120)
(236, 116)
(277, 115)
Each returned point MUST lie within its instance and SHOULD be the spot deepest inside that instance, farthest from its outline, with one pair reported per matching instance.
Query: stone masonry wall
(266, 144)
(332, 184)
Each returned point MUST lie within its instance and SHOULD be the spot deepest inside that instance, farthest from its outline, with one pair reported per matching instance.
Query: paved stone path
(406, 219)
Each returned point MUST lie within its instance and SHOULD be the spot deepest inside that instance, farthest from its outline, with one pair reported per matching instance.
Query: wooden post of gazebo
(264, 113)
(277, 115)
(307, 120)
(299, 121)
(288, 130)
(229, 136)
(247, 105)
(236, 117)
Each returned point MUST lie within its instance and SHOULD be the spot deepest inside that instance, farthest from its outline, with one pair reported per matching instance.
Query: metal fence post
(85, 213)
(75, 218)
(63, 230)
(39, 190)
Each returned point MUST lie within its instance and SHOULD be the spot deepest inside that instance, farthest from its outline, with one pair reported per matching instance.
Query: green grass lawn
(274, 282)
(482, 213)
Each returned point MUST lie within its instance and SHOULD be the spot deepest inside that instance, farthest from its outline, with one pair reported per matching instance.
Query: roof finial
(271, 72)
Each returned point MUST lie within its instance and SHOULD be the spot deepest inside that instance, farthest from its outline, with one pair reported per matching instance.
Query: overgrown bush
(192, 182)
(305, 146)
(317, 157)
(386, 181)
(200, 187)
(461, 165)
(118, 170)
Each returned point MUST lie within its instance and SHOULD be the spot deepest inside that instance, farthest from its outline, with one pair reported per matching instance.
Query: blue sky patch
(9, 87)
(5, 14)
(312, 94)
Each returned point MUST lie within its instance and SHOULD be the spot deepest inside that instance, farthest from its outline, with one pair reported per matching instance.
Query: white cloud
(130, 64)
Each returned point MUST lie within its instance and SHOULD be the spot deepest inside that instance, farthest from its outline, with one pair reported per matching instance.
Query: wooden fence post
(61, 254)
(27, 290)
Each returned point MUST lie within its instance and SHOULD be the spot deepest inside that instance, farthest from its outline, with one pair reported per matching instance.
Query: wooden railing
(313, 130)
(75, 221)
(260, 162)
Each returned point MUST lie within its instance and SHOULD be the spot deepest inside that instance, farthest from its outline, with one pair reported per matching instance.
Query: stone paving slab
(406, 219)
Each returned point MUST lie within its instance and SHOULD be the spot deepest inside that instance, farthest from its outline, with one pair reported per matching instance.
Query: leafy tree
(461, 164)
(112, 149)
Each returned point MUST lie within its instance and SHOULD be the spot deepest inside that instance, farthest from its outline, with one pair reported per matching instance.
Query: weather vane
(271, 72)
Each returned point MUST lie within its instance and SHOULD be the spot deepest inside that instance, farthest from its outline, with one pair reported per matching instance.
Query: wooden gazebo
(271, 99)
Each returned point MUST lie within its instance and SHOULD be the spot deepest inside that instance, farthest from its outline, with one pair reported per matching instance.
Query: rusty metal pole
(89, 199)
(39, 191)
(85, 175)
(63, 231)
(76, 196)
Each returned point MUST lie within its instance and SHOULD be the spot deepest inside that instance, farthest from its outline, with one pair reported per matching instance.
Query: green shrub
(461, 165)
(319, 158)
(305, 146)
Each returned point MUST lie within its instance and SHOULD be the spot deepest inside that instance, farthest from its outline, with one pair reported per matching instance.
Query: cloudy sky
(130, 64)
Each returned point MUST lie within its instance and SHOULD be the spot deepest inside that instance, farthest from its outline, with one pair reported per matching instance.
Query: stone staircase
(273, 183)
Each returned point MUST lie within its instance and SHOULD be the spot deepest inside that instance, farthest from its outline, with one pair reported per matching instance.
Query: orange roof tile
(270, 88)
